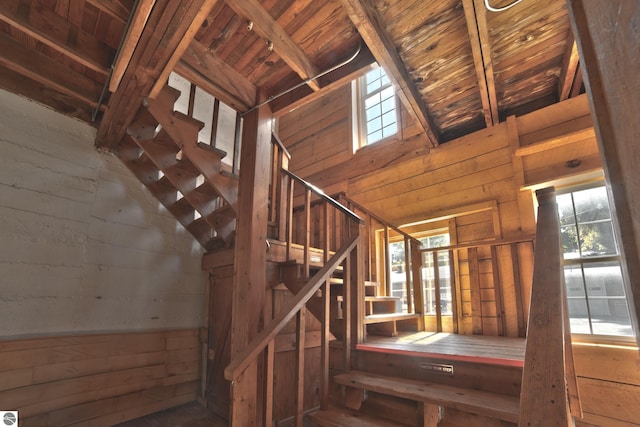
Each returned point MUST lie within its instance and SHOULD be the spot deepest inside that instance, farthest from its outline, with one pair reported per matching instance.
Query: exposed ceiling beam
(166, 27)
(203, 68)
(58, 34)
(131, 39)
(479, 37)
(183, 45)
(283, 44)
(113, 8)
(476, 49)
(46, 71)
(330, 82)
(372, 30)
(569, 68)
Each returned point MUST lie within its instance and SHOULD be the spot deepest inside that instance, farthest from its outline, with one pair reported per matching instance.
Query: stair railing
(549, 390)
(412, 263)
(344, 253)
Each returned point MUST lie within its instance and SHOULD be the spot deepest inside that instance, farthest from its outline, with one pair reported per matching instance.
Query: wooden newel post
(250, 259)
(544, 398)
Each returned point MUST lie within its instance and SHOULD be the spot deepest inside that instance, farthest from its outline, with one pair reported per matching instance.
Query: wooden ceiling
(457, 66)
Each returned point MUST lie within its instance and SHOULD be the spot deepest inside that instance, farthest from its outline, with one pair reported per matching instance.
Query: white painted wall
(83, 245)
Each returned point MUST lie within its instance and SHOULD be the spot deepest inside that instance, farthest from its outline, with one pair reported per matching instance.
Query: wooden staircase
(161, 148)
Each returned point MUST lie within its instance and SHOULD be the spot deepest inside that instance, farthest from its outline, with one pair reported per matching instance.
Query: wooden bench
(495, 405)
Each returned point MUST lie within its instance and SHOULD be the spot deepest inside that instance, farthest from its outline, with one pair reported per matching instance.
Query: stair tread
(186, 118)
(212, 149)
(373, 298)
(335, 417)
(495, 405)
(388, 317)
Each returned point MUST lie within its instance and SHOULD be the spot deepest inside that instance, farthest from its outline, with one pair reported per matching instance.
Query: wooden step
(389, 317)
(343, 417)
(494, 405)
(213, 149)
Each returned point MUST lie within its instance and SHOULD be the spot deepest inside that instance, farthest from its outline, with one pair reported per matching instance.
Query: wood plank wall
(220, 268)
(609, 385)
(98, 379)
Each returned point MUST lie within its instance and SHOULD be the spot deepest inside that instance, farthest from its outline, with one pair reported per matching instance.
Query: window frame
(358, 90)
(581, 261)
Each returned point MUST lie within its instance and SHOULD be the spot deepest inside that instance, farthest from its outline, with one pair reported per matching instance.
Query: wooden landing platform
(467, 348)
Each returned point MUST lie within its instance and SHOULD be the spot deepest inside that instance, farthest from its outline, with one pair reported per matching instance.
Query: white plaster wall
(83, 245)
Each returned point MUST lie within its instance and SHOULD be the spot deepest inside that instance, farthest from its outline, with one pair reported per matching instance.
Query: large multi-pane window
(429, 275)
(596, 295)
(378, 113)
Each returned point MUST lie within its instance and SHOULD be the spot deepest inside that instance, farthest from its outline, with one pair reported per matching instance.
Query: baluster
(407, 275)
(307, 230)
(436, 285)
(387, 262)
(455, 281)
(300, 344)
(290, 217)
(324, 351)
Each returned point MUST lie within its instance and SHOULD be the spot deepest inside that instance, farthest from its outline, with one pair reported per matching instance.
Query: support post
(250, 259)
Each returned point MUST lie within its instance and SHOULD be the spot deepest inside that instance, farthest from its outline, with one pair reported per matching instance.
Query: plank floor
(189, 415)
(472, 348)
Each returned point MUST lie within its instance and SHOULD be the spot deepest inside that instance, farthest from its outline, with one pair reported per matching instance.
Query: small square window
(376, 108)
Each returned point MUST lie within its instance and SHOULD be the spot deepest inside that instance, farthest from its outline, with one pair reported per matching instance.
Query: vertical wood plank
(268, 386)
(455, 295)
(436, 285)
(237, 144)
(429, 414)
(324, 351)
(517, 285)
(407, 275)
(474, 280)
(214, 121)
(250, 258)
(416, 270)
(300, 340)
(273, 206)
(387, 262)
(282, 197)
(497, 287)
(346, 314)
(307, 230)
(289, 221)
(607, 33)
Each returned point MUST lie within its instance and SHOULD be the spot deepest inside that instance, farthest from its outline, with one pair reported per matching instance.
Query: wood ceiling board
(48, 72)
(528, 45)
(117, 9)
(438, 55)
(403, 16)
(24, 86)
(267, 27)
(53, 31)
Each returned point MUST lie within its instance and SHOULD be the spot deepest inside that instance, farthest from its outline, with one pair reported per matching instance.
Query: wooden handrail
(523, 239)
(380, 220)
(543, 397)
(244, 359)
(275, 139)
(318, 191)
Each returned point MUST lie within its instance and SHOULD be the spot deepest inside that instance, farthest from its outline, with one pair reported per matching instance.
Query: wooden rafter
(46, 71)
(569, 69)
(476, 17)
(113, 8)
(186, 39)
(207, 71)
(139, 20)
(283, 44)
(366, 20)
(58, 34)
(476, 48)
